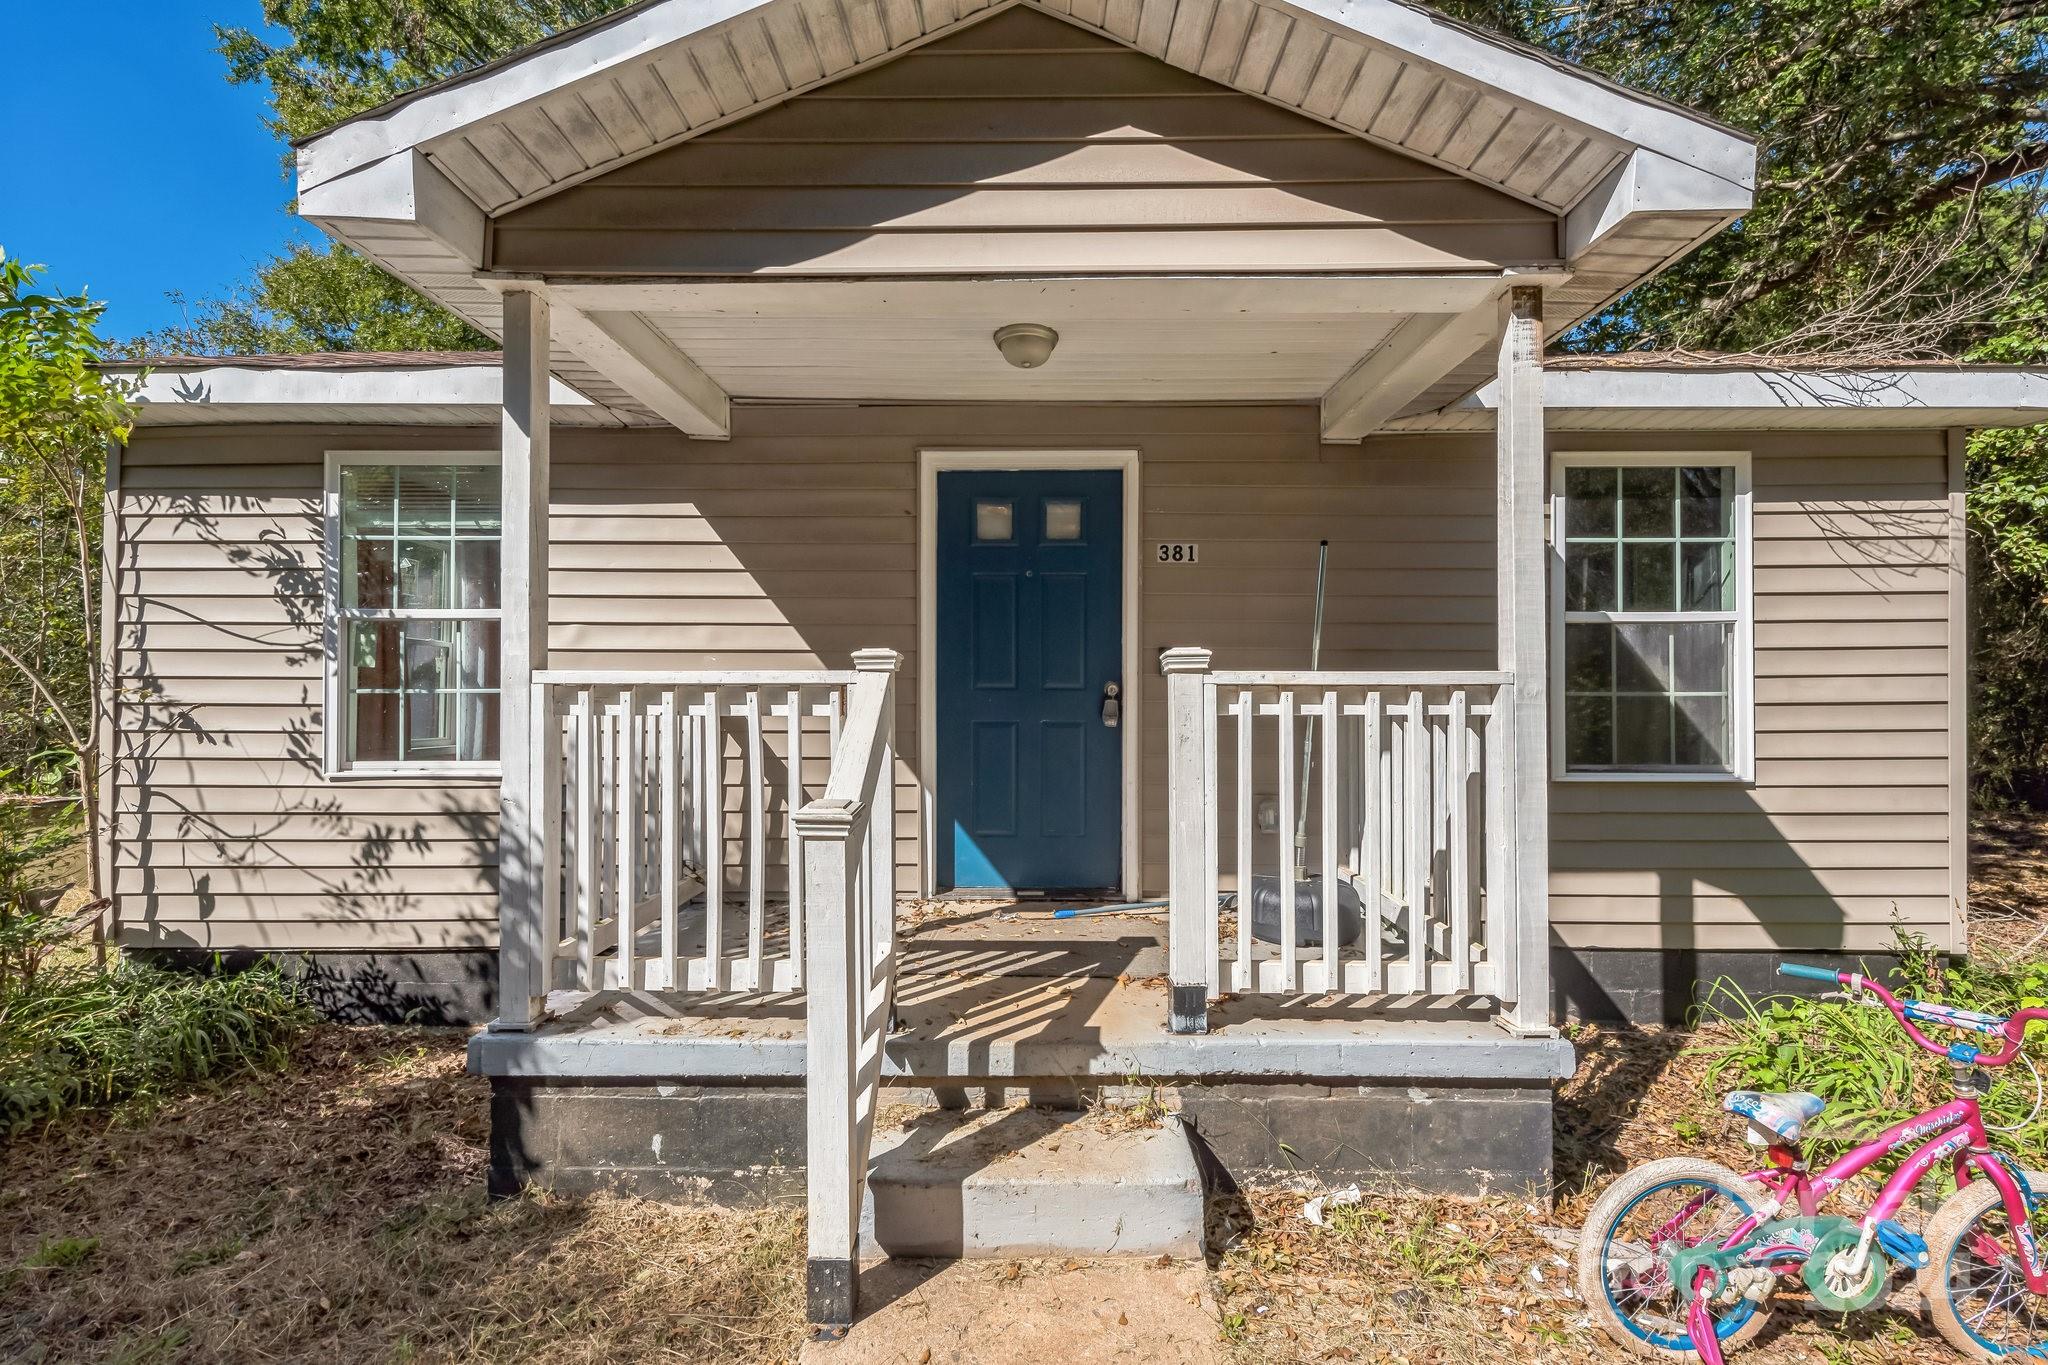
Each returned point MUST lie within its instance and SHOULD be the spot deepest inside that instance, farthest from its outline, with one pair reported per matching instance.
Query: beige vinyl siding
(1848, 825)
(228, 835)
(1022, 145)
(796, 543)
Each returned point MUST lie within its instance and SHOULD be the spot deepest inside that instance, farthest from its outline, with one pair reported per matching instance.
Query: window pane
(425, 493)
(1589, 500)
(424, 583)
(1588, 658)
(1589, 576)
(1642, 731)
(1062, 519)
(1650, 576)
(429, 727)
(1702, 732)
(477, 497)
(476, 564)
(376, 728)
(373, 653)
(1642, 658)
(375, 576)
(1700, 652)
(1646, 498)
(1706, 501)
(992, 521)
(1708, 576)
(477, 723)
(1589, 731)
(477, 657)
(430, 655)
(367, 492)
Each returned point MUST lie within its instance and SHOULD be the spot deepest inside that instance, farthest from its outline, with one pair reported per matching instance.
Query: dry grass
(336, 1214)
(1421, 1280)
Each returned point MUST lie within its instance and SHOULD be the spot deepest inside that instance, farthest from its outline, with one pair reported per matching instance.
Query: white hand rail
(1406, 866)
(849, 893)
(656, 788)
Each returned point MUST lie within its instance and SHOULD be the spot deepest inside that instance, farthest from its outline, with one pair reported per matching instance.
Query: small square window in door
(1062, 519)
(994, 523)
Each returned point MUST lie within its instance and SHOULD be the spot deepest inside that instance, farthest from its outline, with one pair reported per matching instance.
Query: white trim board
(334, 718)
(930, 464)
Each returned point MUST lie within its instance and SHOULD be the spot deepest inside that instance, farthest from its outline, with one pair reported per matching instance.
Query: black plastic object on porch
(1266, 901)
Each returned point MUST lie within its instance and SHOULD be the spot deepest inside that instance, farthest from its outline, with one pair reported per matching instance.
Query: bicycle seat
(1782, 1113)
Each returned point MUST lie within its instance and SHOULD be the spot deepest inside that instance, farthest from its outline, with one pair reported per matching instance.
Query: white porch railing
(849, 890)
(1399, 855)
(656, 789)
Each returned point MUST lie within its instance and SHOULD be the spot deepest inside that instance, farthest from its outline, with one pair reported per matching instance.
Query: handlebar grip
(1801, 970)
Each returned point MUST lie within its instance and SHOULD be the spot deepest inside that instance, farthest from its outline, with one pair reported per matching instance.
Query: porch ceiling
(419, 183)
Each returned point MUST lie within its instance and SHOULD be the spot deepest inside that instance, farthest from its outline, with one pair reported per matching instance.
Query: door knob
(1112, 709)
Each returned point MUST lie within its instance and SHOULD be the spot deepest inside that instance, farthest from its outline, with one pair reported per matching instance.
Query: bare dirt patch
(337, 1213)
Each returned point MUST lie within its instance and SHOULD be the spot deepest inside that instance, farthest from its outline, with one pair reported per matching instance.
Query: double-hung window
(1651, 617)
(414, 614)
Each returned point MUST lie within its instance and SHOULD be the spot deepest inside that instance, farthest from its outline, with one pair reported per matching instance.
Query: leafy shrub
(80, 1038)
(1859, 1060)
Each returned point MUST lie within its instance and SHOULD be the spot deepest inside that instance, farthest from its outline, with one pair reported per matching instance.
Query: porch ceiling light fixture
(1027, 345)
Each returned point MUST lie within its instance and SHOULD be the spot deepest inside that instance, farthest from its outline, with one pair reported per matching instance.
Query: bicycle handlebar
(2011, 1028)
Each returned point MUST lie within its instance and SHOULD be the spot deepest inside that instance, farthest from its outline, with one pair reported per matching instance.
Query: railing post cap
(1185, 659)
(826, 818)
(877, 660)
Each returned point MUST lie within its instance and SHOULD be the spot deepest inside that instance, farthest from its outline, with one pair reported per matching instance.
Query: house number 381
(1179, 552)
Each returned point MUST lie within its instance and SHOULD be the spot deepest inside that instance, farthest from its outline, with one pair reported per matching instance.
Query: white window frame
(338, 716)
(1742, 686)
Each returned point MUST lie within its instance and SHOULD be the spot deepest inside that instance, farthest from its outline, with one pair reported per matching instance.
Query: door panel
(1029, 779)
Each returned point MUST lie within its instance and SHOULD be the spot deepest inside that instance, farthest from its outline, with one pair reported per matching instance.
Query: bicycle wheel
(1679, 1201)
(1975, 1289)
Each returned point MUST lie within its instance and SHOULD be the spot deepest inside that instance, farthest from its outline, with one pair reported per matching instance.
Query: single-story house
(949, 458)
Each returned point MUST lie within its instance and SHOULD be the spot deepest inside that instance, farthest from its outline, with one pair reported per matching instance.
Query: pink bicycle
(1680, 1257)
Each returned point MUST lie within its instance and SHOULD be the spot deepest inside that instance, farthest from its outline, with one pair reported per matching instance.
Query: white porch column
(1191, 902)
(1522, 604)
(523, 826)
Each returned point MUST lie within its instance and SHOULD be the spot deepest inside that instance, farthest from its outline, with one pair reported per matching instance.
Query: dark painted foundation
(741, 1143)
(1668, 985)
(730, 1142)
(1459, 1140)
(440, 989)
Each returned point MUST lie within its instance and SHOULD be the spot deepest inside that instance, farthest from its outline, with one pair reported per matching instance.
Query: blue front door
(1030, 642)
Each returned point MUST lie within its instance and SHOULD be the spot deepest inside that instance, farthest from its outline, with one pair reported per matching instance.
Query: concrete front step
(1031, 1182)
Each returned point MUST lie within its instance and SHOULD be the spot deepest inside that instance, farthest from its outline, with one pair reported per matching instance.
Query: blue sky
(137, 169)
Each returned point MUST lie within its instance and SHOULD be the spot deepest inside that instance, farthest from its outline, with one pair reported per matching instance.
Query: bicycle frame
(1953, 1132)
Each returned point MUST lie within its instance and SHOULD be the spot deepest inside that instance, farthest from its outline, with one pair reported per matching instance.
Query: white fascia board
(403, 188)
(1650, 183)
(249, 386)
(371, 138)
(2005, 397)
(1595, 105)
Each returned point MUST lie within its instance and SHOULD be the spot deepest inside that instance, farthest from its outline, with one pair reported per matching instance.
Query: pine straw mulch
(2009, 885)
(1420, 1281)
(336, 1213)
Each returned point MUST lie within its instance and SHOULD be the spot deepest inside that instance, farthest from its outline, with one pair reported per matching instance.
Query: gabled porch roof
(1621, 184)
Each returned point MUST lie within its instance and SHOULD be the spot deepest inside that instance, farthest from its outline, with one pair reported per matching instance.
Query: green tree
(334, 58)
(59, 415)
(317, 298)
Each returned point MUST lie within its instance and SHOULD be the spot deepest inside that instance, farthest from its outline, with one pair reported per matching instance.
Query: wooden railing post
(524, 826)
(831, 1049)
(1187, 847)
(882, 812)
(1524, 642)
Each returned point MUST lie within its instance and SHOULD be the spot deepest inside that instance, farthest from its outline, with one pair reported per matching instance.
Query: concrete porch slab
(960, 1026)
